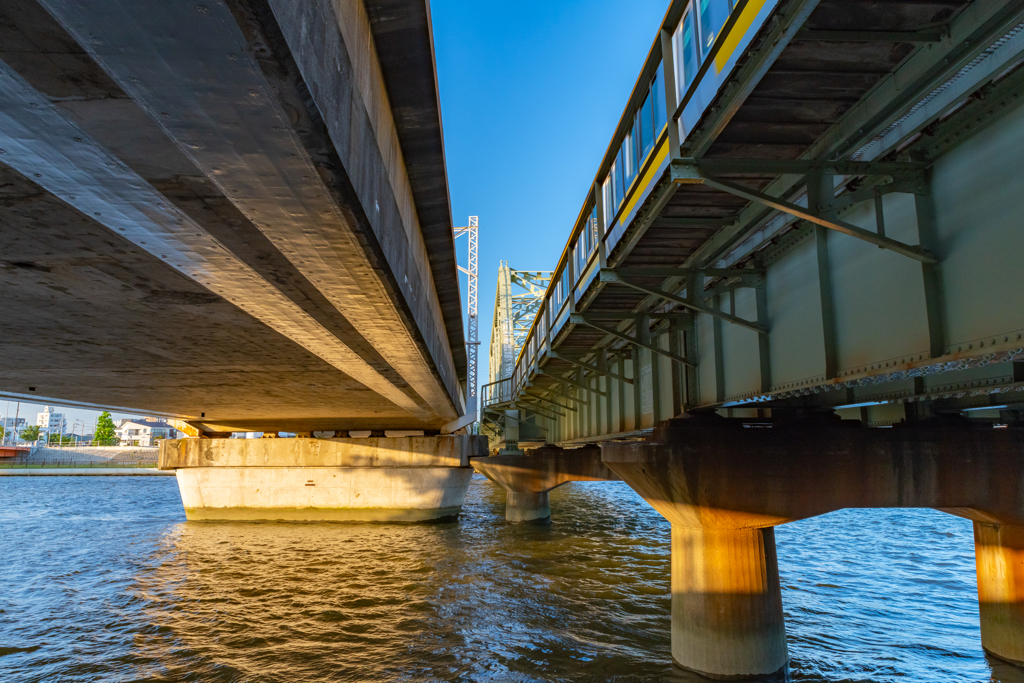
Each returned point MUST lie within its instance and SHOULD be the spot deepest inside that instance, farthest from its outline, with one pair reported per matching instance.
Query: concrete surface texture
(168, 163)
(727, 603)
(406, 451)
(999, 551)
(85, 472)
(94, 454)
(396, 479)
(724, 484)
(314, 494)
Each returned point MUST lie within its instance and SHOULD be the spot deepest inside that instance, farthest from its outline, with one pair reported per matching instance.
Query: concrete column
(999, 552)
(528, 507)
(727, 619)
(528, 478)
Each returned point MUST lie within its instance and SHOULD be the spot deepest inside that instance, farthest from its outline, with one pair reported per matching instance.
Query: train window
(609, 208)
(620, 178)
(629, 157)
(645, 128)
(657, 93)
(686, 48)
(713, 14)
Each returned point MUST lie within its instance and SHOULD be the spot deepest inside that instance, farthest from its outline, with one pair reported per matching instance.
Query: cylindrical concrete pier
(528, 507)
(727, 619)
(999, 553)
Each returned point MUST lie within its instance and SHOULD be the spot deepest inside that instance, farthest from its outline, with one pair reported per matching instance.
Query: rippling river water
(103, 580)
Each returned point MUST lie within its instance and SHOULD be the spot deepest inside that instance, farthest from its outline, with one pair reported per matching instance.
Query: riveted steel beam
(970, 34)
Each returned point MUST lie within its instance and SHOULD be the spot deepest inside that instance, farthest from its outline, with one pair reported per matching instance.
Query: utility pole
(473, 340)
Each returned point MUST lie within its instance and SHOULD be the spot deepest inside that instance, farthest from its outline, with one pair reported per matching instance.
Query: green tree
(30, 433)
(61, 438)
(2, 433)
(105, 431)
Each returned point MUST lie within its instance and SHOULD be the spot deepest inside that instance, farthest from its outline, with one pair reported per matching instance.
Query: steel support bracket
(578, 385)
(606, 373)
(914, 252)
(582, 320)
(610, 275)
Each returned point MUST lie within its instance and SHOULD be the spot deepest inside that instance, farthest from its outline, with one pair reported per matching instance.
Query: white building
(12, 427)
(50, 422)
(144, 431)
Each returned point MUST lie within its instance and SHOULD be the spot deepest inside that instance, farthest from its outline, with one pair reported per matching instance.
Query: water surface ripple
(103, 580)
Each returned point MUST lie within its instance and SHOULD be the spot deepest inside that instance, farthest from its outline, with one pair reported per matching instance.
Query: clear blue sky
(530, 95)
(531, 92)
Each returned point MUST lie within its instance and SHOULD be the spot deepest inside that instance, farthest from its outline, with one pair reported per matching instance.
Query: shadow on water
(105, 582)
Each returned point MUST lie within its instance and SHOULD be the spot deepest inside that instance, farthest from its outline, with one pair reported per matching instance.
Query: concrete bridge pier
(999, 552)
(724, 485)
(528, 506)
(727, 602)
(528, 479)
(396, 479)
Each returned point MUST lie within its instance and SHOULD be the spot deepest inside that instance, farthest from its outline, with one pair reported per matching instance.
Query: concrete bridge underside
(233, 212)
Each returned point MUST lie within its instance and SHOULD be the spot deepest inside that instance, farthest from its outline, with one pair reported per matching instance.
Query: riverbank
(84, 472)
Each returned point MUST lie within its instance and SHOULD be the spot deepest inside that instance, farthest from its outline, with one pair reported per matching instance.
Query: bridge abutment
(398, 479)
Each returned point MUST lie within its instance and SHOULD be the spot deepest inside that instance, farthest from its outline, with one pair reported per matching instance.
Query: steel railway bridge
(806, 228)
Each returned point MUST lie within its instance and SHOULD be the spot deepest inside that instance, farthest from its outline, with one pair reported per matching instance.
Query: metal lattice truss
(473, 340)
(518, 299)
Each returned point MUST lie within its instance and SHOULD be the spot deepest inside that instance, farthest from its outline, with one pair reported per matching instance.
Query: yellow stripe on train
(750, 12)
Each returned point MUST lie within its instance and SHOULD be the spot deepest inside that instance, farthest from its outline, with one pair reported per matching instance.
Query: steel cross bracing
(473, 341)
(799, 241)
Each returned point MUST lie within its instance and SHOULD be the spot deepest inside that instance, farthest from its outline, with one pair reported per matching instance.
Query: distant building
(144, 431)
(12, 427)
(49, 423)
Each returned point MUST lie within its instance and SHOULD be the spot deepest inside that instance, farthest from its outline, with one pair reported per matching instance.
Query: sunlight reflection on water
(104, 581)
